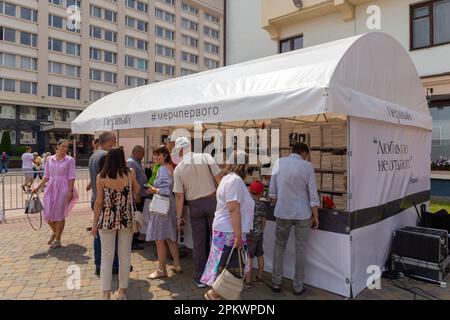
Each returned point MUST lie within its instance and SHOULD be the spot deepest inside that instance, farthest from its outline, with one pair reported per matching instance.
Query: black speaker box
(424, 244)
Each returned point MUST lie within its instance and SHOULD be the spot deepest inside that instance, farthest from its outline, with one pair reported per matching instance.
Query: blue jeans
(98, 253)
(3, 165)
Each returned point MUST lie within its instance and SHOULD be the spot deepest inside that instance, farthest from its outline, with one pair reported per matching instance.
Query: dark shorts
(255, 247)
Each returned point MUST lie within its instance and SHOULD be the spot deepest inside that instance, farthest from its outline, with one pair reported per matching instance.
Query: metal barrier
(13, 197)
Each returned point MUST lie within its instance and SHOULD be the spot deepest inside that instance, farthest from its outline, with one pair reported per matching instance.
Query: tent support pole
(145, 145)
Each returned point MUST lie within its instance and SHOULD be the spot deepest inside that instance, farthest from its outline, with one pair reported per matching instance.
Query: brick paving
(30, 270)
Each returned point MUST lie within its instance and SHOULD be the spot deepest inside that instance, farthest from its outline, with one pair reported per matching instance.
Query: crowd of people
(224, 213)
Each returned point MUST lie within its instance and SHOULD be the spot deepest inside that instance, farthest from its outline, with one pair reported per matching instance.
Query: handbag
(226, 284)
(34, 206)
(160, 205)
(137, 216)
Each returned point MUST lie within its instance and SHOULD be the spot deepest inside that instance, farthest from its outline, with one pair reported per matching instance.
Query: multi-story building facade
(58, 56)
(422, 27)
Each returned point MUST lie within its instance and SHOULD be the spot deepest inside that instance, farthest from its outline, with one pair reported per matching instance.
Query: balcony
(281, 13)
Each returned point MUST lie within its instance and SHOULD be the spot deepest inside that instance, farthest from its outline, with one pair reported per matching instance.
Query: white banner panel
(371, 247)
(327, 259)
(387, 162)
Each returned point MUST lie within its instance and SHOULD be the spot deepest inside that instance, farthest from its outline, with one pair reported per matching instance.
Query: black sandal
(275, 287)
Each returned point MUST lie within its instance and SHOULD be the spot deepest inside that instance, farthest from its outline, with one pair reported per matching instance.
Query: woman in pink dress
(59, 195)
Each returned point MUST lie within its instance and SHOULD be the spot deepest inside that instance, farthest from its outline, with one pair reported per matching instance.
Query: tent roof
(369, 76)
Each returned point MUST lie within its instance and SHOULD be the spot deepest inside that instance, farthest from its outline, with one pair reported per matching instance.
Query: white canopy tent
(370, 80)
(358, 76)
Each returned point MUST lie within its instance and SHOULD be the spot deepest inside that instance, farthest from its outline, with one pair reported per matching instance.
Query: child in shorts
(256, 236)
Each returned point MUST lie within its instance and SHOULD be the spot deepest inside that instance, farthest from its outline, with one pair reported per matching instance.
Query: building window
(211, 64)
(73, 49)
(28, 14)
(7, 60)
(55, 45)
(110, 77)
(70, 115)
(8, 9)
(55, 21)
(96, 75)
(189, 41)
(96, 11)
(211, 18)
(28, 87)
(56, 2)
(55, 67)
(28, 63)
(72, 71)
(211, 48)
(212, 33)
(55, 115)
(110, 16)
(12, 133)
(110, 36)
(95, 54)
(72, 93)
(188, 24)
(189, 57)
(7, 112)
(95, 32)
(186, 72)
(430, 24)
(28, 39)
(54, 91)
(110, 57)
(28, 113)
(7, 34)
(190, 9)
(164, 69)
(95, 95)
(134, 81)
(291, 44)
(164, 15)
(7, 85)
(28, 137)
(134, 62)
(164, 33)
(164, 51)
(169, 2)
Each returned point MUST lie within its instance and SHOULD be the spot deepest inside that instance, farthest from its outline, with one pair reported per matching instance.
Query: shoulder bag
(226, 284)
(137, 216)
(34, 206)
(210, 172)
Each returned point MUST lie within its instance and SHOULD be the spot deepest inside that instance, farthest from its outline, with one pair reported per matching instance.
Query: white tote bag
(160, 205)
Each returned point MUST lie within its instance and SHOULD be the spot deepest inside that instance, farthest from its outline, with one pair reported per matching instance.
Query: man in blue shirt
(134, 162)
(293, 186)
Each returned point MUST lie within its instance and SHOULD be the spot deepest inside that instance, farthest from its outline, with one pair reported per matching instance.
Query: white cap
(181, 143)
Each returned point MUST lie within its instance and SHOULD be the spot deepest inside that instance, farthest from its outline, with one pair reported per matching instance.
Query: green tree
(5, 144)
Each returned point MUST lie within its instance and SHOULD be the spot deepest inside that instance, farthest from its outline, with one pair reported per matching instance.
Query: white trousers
(108, 240)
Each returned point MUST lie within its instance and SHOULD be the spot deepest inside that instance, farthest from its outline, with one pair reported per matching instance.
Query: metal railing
(13, 197)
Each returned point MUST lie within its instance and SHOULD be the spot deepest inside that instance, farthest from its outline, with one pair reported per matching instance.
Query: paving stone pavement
(30, 270)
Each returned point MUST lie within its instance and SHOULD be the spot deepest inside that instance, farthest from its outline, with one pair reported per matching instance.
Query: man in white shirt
(293, 186)
(27, 168)
(195, 178)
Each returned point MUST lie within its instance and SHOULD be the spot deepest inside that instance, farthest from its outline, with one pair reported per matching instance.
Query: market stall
(360, 105)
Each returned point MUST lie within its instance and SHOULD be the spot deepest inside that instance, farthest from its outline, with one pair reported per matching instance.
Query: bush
(5, 144)
(20, 150)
